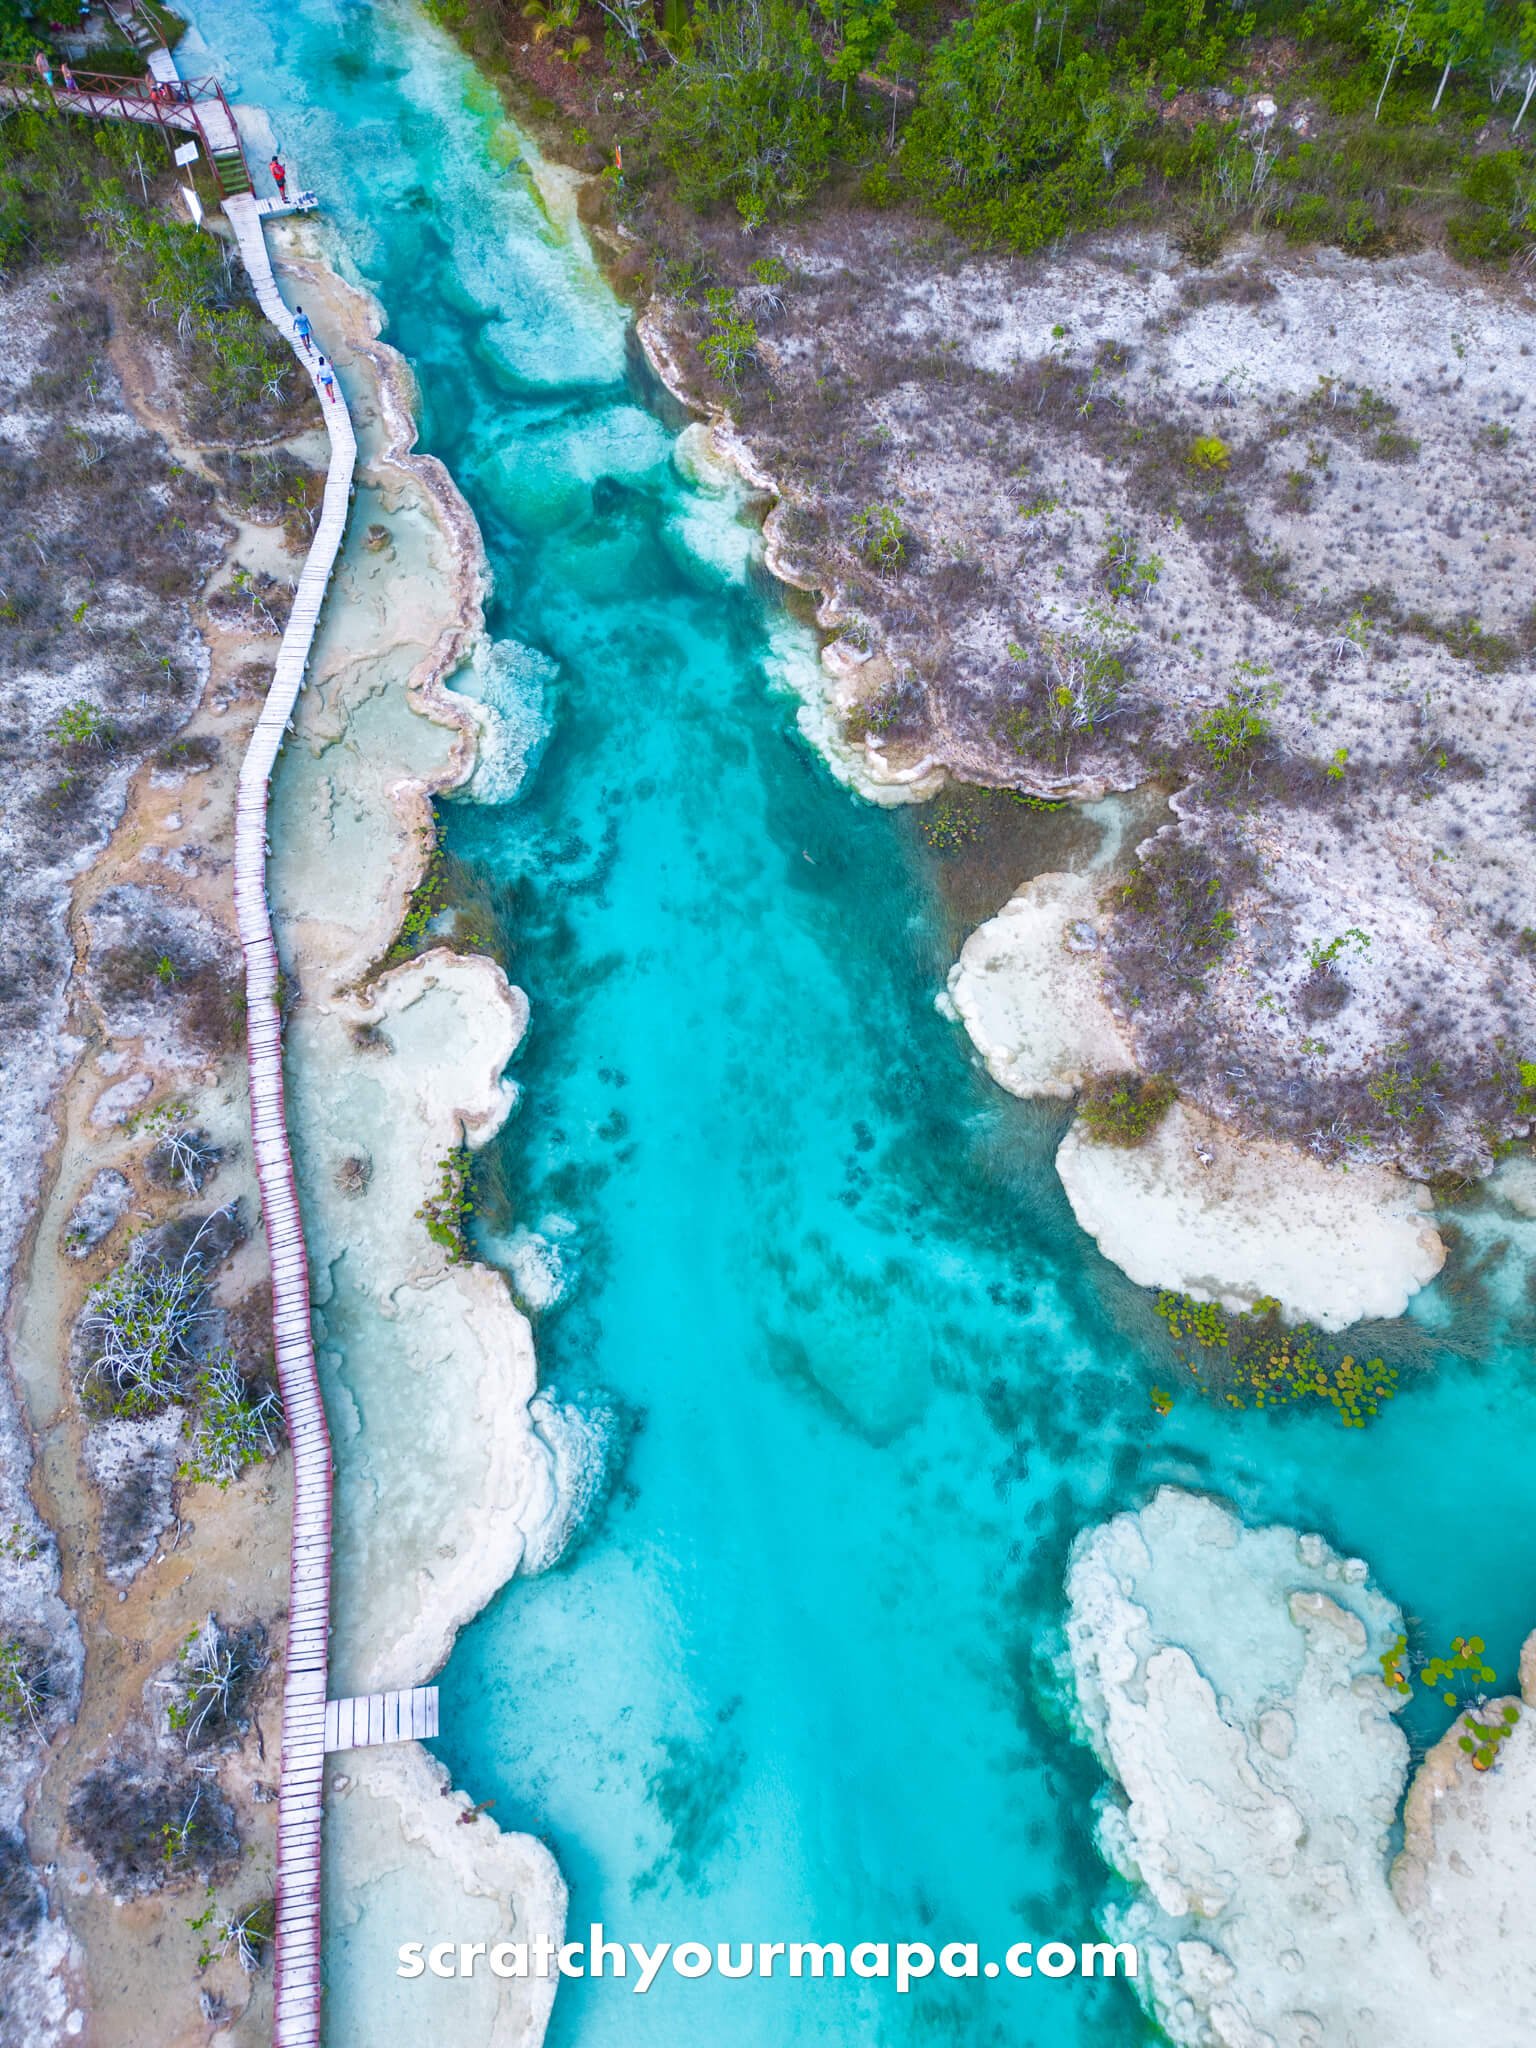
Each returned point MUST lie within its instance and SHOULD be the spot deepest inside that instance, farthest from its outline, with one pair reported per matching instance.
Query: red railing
(102, 92)
(170, 106)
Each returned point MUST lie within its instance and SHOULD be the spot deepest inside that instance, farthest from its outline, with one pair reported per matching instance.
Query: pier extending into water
(198, 108)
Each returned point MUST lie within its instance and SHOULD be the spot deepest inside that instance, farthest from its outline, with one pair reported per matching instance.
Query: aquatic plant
(1255, 1360)
(1124, 1109)
(1452, 1673)
(952, 819)
(1394, 1667)
(424, 908)
(444, 1212)
(1480, 1739)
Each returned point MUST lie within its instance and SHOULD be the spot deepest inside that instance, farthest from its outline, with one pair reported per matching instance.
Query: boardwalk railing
(296, 1946)
(193, 106)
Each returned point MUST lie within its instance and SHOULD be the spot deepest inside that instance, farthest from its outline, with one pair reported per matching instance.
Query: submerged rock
(1229, 1680)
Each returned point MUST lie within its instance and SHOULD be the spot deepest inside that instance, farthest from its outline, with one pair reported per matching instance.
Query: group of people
(303, 331)
(44, 63)
(44, 66)
(305, 335)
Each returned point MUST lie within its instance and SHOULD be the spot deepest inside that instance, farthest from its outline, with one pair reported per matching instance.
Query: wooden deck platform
(369, 1719)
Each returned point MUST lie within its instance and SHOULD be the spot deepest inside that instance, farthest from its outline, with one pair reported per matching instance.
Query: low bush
(1124, 1109)
(148, 1825)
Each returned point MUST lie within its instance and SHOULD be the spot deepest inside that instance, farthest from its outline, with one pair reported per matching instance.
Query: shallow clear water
(796, 1680)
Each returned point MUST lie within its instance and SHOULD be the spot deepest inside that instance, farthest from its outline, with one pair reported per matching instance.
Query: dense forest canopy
(1017, 120)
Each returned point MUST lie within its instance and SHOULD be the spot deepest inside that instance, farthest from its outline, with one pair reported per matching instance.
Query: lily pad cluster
(1254, 1360)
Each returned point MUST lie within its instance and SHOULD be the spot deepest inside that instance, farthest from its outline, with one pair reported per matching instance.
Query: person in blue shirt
(301, 327)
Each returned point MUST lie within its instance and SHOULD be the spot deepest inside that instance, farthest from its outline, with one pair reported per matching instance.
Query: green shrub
(1209, 453)
(880, 536)
(81, 725)
(1124, 1109)
(1231, 733)
(730, 340)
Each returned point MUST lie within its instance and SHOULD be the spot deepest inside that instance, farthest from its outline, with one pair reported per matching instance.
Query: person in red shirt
(279, 177)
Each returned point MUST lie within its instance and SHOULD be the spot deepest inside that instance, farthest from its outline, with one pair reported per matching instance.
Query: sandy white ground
(395, 1821)
(1027, 988)
(1230, 1219)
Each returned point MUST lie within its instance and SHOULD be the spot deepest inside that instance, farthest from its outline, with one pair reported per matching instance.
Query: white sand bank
(1197, 1207)
(1027, 989)
(1233, 1219)
(429, 1877)
(431, 1364)
(1229, 1680)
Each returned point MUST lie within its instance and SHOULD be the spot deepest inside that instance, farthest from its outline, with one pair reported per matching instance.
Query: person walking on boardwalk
(302, 328)
(279, 178)
(44, 68)
(67, 75)
(326, 377)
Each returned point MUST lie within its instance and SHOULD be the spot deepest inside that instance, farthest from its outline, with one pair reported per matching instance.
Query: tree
(1525, 68)
(1392, 24)
(18, 33)
(1456, 33)
(742, 116)
(866, 27)
(1006, 152)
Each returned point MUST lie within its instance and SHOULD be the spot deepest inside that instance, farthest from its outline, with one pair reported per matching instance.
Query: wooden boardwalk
(296, 1949)
(372, 1718)
(296, 1965)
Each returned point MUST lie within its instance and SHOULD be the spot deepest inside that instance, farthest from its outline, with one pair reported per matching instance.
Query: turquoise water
(796, 1680)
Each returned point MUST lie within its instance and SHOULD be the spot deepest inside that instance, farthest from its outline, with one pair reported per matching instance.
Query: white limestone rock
(1225, 1218)
(1027, 989)
(1228, 1679)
